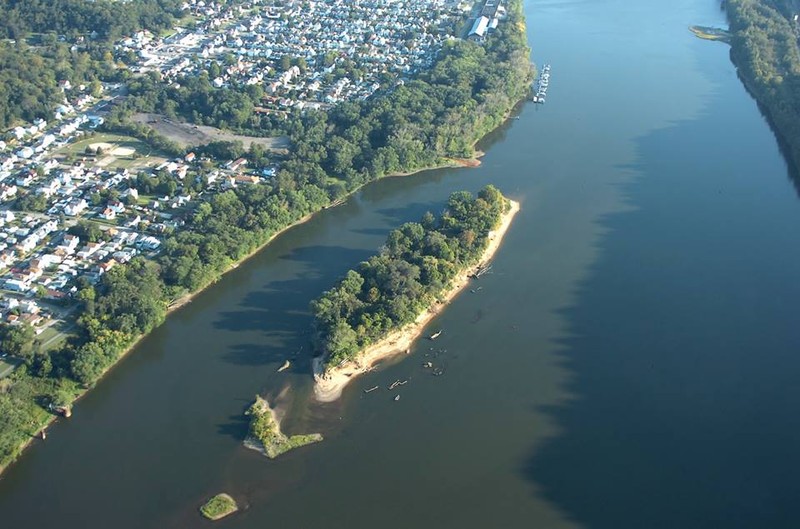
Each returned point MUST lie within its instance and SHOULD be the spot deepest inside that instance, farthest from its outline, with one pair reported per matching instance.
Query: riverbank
(47, 419)
(513, 81)
(328, 385)
(762, 68)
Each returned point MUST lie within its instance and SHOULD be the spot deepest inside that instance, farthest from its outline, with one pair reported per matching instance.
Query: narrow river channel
(632, 361)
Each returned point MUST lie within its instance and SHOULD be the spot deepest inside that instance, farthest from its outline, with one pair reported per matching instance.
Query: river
(632, 361)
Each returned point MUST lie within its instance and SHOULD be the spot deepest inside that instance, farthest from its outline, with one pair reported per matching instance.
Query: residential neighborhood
(75, 202)
(305, 54)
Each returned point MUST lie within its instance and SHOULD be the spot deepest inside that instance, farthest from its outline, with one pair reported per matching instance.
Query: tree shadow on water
(237, 425)
(279, 310)
(412, 212)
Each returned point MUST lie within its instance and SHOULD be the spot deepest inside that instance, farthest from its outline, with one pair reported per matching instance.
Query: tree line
(414, 268)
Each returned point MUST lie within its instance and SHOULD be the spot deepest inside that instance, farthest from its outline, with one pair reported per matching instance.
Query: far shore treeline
(415, 268)
(765, 49)
(421, 123)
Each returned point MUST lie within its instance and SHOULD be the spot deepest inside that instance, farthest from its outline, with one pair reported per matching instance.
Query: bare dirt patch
(101, 145)
(188, 135)
(123, 151)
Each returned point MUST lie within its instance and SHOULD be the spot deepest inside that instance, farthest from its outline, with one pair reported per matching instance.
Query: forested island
(765, 50)
(264, 433)
(219, 507)
(379, 308)
(423, 122)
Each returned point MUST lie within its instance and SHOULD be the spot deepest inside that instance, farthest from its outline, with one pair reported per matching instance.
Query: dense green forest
(765, 49)
(108, 19)
(46, 41)
(442, 113)
(29, 77)
(414, 268)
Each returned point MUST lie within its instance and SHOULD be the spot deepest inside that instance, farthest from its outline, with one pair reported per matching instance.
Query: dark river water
(632, 361)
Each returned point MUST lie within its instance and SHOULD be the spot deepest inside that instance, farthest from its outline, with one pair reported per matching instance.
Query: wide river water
(632, 361)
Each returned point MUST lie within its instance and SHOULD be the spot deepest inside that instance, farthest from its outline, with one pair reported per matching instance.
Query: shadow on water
(379, 232)
(783, 145)
(683, 353)
(280, 308)
(237, 425)
(414, 211)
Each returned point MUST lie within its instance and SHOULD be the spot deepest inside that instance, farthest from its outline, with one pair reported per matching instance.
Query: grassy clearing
(7, 367)
(219, 506)
(119, 150)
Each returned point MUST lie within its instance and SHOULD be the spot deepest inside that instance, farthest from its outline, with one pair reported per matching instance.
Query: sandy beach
(328, 386)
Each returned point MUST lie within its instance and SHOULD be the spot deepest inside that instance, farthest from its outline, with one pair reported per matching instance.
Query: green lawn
(7, 367)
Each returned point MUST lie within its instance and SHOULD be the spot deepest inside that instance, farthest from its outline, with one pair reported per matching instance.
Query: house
(149, 243)
(69, 243)
(31, 319)
(25, 179)
(108, 214)
(245, 179)
(28, 243)
(7, 191)
(75, 208)
(29, 306)
(17, 285)
(25, 153)
(9, 303)
(237, 164)
(102, 268)
(88, 250)
(130, 192)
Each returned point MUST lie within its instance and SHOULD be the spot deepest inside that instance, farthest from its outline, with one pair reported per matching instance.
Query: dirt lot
(188, 135)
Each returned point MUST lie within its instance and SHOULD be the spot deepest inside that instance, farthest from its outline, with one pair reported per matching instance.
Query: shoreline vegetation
(434, 120)
(765, 50)
(219, 507)
(264, 433)
(442, 254)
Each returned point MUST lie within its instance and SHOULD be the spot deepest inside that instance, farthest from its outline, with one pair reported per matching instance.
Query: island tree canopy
(416, 266)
